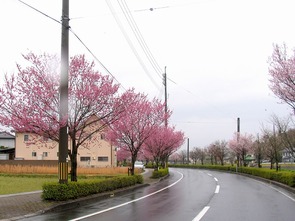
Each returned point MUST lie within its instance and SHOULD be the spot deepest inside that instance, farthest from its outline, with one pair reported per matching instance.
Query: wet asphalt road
(188, 195)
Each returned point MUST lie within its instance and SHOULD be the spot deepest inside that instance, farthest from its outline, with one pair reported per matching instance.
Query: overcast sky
(215, 51)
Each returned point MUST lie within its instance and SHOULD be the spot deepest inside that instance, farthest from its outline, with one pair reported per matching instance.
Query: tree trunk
(271, 164)
(277, 166)
(221, 160)
(259, 159)
(74, 162)
(133, 158)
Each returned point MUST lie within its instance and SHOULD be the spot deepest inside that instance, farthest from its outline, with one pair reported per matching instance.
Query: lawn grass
(19, 184)
(18, 179)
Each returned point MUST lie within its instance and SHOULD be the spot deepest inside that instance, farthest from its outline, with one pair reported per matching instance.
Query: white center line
(217, 189)
(201, 214)
(206, 208)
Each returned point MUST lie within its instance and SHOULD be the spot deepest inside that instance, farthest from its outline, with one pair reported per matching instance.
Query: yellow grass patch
(31, 169)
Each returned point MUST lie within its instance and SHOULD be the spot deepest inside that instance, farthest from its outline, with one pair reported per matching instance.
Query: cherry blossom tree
(282, 72)
(198, 154)
(175, 158)
(29, 101)
(241, 145)
(276, 139)
(182, 156)
(218, 150)
(137, 123)
(163, 142)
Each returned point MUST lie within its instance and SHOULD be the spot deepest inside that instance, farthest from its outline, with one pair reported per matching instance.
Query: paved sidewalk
(18, 206)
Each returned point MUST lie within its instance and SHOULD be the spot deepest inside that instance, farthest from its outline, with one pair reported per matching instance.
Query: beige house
(96, 153)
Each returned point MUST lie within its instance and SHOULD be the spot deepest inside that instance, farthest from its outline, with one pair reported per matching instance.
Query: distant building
(287, 156)
(100, 153)
(7, 146)
(7, 140)
(94, 152)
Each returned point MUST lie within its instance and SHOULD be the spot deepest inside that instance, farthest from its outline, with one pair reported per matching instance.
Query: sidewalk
(17, 206)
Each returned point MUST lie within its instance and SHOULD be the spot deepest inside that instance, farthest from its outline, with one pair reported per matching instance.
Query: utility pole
(238, 129)
(187, 151)
(63, 105)
(165, 85)
(238, 140)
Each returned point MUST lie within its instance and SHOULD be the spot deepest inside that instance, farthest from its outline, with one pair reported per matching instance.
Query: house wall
(96, 152)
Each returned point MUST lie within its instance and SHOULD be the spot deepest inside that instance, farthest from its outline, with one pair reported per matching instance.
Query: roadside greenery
(19, 183)
(74, 190)
(160, 173)
(284, 177)
(13, 183)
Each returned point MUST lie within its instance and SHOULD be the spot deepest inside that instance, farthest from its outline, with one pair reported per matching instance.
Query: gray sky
(216, 53)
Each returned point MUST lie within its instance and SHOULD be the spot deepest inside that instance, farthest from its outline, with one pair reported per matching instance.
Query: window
(34, 154)
(84, 158)
(102, 136)
(45, 154)
(104, 159)
(26, 137)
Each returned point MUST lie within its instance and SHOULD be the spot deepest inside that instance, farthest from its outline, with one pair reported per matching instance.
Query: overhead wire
(131, 44)
(132, 23)
(39, 11)
(79, 39)
(134, 27)
(127, 13)
(94, 56)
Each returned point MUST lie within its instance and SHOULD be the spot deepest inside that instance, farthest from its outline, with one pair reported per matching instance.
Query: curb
(71, 204)
(281, 185)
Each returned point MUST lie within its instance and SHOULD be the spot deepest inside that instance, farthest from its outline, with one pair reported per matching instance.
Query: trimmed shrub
(285, 177)
(160, 173)
(74, 190)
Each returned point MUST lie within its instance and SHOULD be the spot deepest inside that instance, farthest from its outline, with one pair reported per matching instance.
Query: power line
(39, 11)
(131, 44)
(88, 49)
(79, 39)
(134, 27)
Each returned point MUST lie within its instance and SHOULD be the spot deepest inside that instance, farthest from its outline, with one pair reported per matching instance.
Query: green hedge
(160, 173)
(74, 190)
(285, 177)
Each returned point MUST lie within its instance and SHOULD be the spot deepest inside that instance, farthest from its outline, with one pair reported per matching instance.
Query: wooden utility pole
(63, 105)
(187, 154)
(165, 85)
(238, 129)
(238, 140)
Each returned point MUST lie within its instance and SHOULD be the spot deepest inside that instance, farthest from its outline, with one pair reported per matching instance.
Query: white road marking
(129, 202)
(206, 208)
(201, 214)
(217, 189)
